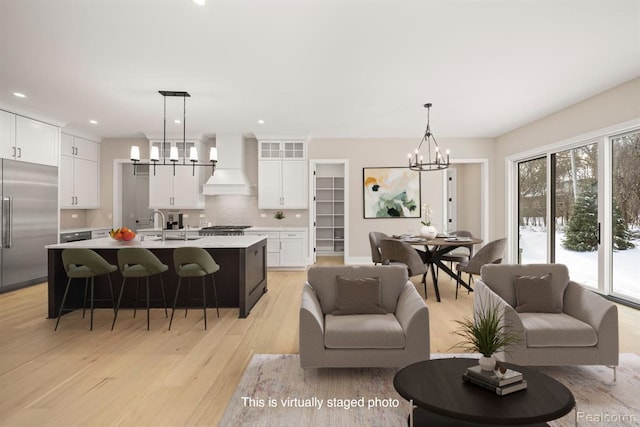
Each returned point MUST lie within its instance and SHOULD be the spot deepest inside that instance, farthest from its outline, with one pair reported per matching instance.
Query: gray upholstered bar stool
(194, 262)
(137, 263)
(80, 263)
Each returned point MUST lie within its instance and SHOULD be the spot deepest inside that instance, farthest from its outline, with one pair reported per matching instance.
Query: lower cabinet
(285, 248)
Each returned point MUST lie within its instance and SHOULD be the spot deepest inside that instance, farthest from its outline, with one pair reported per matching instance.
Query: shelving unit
(329, 214)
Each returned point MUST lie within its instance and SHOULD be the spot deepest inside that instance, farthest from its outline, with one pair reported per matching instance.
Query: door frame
(313, 163)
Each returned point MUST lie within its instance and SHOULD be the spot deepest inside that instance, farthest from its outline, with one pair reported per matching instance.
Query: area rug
(275, 391)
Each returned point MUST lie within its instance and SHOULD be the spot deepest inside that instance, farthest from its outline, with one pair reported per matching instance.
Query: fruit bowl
(125, 234)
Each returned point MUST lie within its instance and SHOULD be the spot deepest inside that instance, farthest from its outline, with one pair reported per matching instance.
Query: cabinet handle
(19, 152)
(73, 150)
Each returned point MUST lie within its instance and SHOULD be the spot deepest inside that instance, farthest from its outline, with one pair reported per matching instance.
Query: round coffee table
(441, 396)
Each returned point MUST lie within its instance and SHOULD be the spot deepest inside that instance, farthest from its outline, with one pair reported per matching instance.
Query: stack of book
(499, 382)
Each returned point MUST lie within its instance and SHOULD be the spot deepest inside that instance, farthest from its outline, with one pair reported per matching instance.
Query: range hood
(230, 176)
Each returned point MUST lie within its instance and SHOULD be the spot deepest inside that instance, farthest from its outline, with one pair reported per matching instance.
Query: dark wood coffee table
(443, 398)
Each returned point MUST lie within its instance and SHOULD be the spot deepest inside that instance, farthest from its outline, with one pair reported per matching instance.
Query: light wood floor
(185, 376)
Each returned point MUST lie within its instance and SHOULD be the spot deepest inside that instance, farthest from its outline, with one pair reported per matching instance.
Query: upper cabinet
(28, 140)
(79, 172)
(179, 187)
(282, 174)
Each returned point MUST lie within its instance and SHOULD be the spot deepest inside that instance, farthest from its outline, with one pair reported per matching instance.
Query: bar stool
(85, 264)
(194, 262)
(139, 262)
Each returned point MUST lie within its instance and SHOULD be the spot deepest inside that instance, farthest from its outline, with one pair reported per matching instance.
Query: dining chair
(374, 240)
(491, 253)
(461, 253)
(137, 263)
(396, 252)
(194, 262)
(82, 263)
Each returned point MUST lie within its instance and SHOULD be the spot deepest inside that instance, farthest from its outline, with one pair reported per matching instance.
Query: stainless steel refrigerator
(29, 222)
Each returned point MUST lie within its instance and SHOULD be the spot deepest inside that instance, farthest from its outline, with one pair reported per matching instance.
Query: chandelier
(154, 156)
(433, 159)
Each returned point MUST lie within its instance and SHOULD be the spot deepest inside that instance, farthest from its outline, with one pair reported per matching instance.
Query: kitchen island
(240, 282)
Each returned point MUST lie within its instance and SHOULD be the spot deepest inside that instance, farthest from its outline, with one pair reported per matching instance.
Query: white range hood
(229, 176)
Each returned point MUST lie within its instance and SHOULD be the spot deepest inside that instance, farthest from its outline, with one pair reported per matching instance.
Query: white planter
(428, 232)
(487, 363)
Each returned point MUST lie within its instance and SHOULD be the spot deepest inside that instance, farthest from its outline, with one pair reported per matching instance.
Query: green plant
(487, 334)
(279, 215)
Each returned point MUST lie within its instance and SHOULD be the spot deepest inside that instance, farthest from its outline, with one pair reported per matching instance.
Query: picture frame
(390, 192)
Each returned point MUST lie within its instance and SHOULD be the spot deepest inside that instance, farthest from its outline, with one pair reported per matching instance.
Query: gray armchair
(395, 339)
(579, 328)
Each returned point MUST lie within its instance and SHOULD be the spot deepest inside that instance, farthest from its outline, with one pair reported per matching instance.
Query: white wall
(389, 152)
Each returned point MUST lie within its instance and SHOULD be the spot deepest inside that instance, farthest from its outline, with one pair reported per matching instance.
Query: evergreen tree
(582, 229)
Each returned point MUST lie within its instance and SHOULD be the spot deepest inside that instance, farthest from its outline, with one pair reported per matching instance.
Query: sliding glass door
(580, 206)
(574, 204)
(532, 211)
(625, 209)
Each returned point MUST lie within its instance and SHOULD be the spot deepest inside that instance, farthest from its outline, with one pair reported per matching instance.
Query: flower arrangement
(426, 211)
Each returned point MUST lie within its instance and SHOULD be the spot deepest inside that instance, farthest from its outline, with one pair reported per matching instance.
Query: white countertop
(277, 229)
(239, 242)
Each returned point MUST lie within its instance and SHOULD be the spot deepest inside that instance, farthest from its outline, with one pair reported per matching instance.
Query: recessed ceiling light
(93, 122)
(177, 121)
(19, 95)
(260, 122)
(200, 2)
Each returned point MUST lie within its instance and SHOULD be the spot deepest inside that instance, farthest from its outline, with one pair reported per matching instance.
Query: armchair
(564, 324)
(395, 339)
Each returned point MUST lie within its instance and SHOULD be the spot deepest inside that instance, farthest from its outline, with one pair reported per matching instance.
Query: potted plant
(486, 334)
(427, 231)
(279, 215)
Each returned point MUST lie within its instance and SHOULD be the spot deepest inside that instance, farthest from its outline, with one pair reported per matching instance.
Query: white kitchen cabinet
(282, 175)
(285, 247)
(79, 172)
(28, 140)
(182, 190)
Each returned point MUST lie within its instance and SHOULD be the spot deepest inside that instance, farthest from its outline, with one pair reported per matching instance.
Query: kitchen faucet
(156, 211)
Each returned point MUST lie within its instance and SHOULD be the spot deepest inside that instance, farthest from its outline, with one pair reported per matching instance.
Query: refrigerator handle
(7, 222)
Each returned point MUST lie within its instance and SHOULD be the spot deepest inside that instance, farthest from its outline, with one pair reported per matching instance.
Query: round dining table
(435, 249)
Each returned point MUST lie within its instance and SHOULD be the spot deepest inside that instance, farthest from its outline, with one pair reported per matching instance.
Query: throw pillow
(535, 295)
(358, 296)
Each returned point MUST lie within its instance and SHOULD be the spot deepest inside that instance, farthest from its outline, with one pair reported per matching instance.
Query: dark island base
(240, 282)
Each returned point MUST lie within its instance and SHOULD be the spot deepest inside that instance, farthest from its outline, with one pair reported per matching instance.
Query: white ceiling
(324, 68)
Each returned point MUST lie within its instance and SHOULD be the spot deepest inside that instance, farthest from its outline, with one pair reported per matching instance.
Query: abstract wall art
(391, 192)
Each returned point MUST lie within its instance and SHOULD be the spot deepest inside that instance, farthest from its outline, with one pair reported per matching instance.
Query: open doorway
(466, 193)
(329, 216)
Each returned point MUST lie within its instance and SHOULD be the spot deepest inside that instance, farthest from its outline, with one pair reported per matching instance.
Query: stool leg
(204, 303)
(115, 315)
(135, 301)
(186, 298)
(215, 294)
(64, 298)
(164, 297)
(147, 302)
(84, 302)
(92, 286)
(175, 301)
(113, 299)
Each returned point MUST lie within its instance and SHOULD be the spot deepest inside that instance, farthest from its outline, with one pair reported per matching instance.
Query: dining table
(435, 249)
